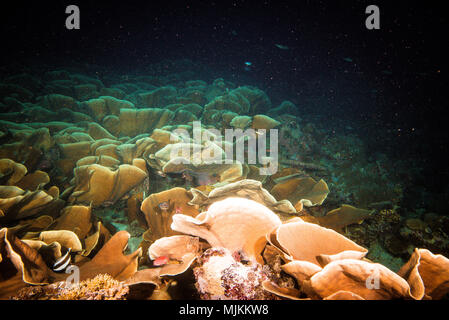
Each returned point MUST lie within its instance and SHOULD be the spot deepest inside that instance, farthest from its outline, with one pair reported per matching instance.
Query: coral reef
(94, 175)
(325, 264)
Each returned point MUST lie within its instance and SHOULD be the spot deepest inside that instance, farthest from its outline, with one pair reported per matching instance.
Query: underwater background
(85, 173)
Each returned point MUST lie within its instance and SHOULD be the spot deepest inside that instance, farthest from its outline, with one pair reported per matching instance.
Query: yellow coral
(101, 287)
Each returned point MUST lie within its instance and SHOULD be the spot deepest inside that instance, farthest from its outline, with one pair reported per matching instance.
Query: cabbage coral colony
(88, 185)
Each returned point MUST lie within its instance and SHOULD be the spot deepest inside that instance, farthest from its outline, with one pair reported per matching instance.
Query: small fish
(204, 178)
(160, 261)
(62, 262)
(282, 47)
(164, 206)
(248, 66)
(347, 59)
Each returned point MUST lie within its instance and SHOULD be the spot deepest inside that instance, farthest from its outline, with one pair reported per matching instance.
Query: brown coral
(97, 184)
(137, 121)
(159, 209)
(292, 237)
(339, 218)
(19, 265)
(304, 189)
(16, 204)
(180, 250)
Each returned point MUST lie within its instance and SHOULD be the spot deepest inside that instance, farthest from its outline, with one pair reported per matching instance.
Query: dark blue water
(385, 83)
